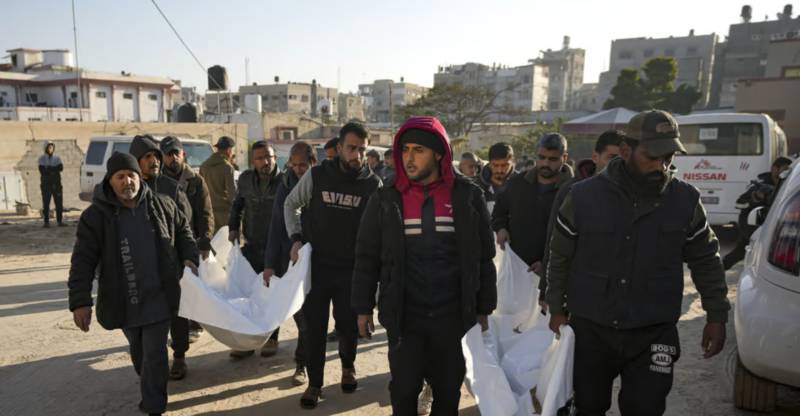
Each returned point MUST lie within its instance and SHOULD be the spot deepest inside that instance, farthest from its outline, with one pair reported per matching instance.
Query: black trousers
(54, 192)
(745, 232)
(643, 357)
(179, 332)
(429, 349)
(331, 285)
(148, 347)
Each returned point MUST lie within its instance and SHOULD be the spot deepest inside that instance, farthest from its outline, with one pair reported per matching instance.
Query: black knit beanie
(121, 161)
(424, 138)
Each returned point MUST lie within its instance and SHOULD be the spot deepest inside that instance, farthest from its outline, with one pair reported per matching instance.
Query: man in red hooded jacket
(426, 242)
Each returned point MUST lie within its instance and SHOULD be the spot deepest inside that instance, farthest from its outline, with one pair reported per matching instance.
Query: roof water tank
(57, 57)
(187, 113)
(252, 103)
(217, 78)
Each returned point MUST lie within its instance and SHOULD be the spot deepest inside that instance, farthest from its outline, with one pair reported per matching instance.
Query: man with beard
(616, 266)
(218, 171)
(606, 148)
(276, 259)
(496, 175)
(202, 223)
(250, 211)
(50, 168)
(150, 158)
(136, 243)
(334, 196)
(426, 242)
(330, 148)
(522, 211)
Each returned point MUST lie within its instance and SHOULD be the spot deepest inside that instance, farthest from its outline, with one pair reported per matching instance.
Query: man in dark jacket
(426, 243)
(388, 168)
(50, 168)
(334, 196)
(146, 151)
(252, 206)
(136, 242)
(495, 176)
(606, 148)
(757, 195)
(202, 223)
(522, 211)
(276, 257)
(616, 265)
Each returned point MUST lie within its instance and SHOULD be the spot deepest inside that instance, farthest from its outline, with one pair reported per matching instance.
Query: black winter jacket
(97, 253)
(380, 256)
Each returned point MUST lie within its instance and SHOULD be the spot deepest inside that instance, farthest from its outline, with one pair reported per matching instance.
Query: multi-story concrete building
(565, 70)
(520, 89)
(384, 96)
(312, 99)
(694, 56)
(744, 55)
(43, 85)
(585, 98)
(351, 107)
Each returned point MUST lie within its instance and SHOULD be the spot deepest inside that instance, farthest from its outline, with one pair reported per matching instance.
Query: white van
(725, 153)
(93, 168)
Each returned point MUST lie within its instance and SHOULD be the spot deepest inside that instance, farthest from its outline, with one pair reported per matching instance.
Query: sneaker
(333, 336)
(178, 370)
(194, 335)
(270, 348)
(310, 398)
(299, 377)
(238, 355)
(425, 400)
(349, 383)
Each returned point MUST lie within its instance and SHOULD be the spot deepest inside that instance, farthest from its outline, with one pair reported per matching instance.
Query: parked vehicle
(726, 152)
(767, 311)
(93, 168)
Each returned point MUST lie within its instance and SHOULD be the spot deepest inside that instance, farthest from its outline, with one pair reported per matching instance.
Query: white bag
(239, 311)
(221, 245)
(485, 379)
(517, 288)
(555, 378)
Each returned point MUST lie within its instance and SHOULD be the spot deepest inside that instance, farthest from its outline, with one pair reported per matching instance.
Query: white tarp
(233, 304)
(518, 352)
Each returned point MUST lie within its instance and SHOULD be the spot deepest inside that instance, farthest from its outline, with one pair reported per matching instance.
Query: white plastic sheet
(518, 352)
(555, 379)
(234, 306)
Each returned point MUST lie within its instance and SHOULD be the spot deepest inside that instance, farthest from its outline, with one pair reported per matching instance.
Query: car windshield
(723, 139)
(197, 153)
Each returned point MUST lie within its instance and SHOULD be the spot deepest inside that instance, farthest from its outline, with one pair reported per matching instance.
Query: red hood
(432, 125)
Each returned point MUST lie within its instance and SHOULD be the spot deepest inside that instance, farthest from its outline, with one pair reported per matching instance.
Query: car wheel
(751, 392)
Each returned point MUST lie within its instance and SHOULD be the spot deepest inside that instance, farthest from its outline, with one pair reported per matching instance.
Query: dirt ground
(47, 366)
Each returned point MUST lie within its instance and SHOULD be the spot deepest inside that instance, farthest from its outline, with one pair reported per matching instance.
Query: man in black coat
(136, 242)
(147, 153)
(276, 257)
(50, 168)
(426, 243)
(250, 214)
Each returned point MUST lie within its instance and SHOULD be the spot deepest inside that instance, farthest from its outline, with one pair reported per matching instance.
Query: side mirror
(754, 216)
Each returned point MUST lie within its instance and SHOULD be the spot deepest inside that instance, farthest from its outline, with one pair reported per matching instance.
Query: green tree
(655, 90)
(459, 107)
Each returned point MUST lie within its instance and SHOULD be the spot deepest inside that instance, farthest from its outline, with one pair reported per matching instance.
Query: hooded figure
(427, 243)
(50, 168)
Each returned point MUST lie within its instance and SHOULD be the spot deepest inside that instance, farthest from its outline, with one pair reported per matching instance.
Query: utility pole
(77, 65)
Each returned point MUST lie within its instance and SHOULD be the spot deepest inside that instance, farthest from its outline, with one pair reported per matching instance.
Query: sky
(343, 43)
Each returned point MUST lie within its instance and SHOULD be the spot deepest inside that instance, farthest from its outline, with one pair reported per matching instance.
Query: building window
(692, 51)
(100, 94)
(152, 97)
(276, 97)
(127, 96)
(755, 37)
(32, 98)
(669, 52)
(625, 55)
(292, 97)
(304, 98)
(648, 53)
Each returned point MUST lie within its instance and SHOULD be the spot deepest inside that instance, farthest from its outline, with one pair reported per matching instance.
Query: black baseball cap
(225, 142)
(657, 131)
(170, 144)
